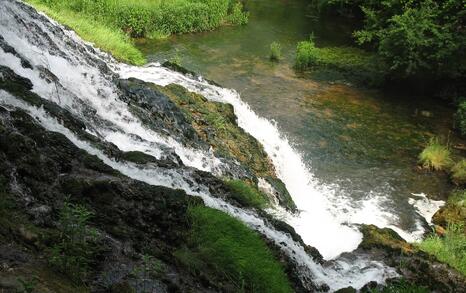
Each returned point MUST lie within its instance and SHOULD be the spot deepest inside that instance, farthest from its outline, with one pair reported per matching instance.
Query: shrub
(458, 172)
(307, 55)
(275, 51)
(225, 247)
(450, 248)
(246, 194)
(435, 156)
(76, 246)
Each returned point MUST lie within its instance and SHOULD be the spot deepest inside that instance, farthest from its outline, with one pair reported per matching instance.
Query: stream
(345, 154)
(349, 151)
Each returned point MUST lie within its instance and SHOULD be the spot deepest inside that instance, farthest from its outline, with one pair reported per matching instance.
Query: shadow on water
(363, 140)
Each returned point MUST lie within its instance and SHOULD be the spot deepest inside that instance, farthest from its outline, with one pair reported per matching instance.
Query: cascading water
(85, 87)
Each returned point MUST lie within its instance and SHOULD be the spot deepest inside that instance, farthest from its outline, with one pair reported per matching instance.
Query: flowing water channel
(345, 154)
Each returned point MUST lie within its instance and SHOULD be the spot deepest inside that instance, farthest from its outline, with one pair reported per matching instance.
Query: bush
(225, 247)
(458, 172)
(77, 243)
(307, 55)
(246, 194)
(275, 51)
(435, 156)
(450, 248)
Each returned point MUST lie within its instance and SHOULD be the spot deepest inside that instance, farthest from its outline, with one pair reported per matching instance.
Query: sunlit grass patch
(246, 194)
(435, 156)
(223, 247)
(450, 249)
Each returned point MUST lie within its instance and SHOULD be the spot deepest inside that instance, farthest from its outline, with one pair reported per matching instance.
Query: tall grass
(275, 51)
(223, 246)
(458, 172)
(435, 156)
(107, 38)
(109, 24)
(450, 249)
(142, 18)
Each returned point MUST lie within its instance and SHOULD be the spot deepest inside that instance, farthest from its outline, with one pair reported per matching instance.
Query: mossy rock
(374, 237)
(216, 124)
(450, 214)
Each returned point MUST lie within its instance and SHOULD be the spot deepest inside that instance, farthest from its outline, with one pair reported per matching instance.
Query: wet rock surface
(413, 265)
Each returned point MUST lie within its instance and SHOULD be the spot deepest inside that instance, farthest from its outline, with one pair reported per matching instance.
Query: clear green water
(361, 140)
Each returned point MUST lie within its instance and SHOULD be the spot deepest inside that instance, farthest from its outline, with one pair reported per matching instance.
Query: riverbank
(111, 25)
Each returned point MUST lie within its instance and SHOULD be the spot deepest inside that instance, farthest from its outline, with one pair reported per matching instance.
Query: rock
(439, 230)
(346, 290)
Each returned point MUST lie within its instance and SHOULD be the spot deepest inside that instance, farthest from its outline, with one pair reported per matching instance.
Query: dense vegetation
(417, 38)
(117, 20)
(224, 246)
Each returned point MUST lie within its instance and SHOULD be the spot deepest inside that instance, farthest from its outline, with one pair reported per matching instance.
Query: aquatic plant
(275, 51)
(458, 172)
(450, 248)
(401, 286)
(435, 156)
(223, 247)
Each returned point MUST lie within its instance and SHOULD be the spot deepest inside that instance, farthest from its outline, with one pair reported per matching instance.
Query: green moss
(458, 172)
(247, 194)
(107, 38)
(435, 156)
(224, 248)
(386, 238)
(450, 248)
(216, 124)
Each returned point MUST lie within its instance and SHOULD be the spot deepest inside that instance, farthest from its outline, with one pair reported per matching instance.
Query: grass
(247, 194)
(435, 156)
(275, 51)
(110, 24)
(222, 246)
(351, 63)
(108, 39)
(458, 198)
(458, 172)
(450, 249)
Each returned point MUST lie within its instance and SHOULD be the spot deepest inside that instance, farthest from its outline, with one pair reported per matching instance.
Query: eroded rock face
(413, 265)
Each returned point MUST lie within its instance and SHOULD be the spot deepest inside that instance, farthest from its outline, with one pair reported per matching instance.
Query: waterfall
(79, 78)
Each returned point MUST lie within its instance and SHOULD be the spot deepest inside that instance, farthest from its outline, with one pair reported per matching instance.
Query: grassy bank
(223, 247)
(110, 24)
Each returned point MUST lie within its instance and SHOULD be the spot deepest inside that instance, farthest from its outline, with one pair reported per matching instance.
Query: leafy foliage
(435, 156)
(423, 38)
(76, 246)
(225, 247)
